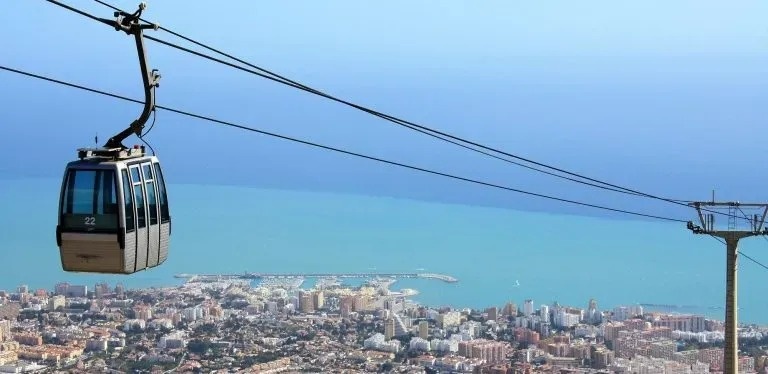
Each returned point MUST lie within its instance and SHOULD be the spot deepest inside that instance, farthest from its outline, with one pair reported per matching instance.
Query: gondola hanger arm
(131, 25)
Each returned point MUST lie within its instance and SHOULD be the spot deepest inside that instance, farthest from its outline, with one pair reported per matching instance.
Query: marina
(263, 276)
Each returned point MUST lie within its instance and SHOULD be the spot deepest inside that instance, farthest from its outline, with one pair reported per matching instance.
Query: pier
(254, 276)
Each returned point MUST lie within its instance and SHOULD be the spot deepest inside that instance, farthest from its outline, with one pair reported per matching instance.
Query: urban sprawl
(232, 326)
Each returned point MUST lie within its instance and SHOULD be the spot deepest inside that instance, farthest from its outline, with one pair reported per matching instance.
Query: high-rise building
(100, 289)
(593, 315)
(620, 313)
(5, 329)
(318, 299)
(389, 328)
(143, 312)
(120, 290)
(61, 288)
(389, 304)
(602, 358)
(306, 303)
(510, 309)
(544, 313)
(493, 313)
(346, 305)
(545, 329)
(424, 329)
(488, 350)
(362, 303)
(77, 291)
(23, 289)
(528, 308)
(692, 323)
(400, 327)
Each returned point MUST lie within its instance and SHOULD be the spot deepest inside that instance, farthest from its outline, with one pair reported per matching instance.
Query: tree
(148, 299)
(207, 329)
(404, 339)
(198, 346)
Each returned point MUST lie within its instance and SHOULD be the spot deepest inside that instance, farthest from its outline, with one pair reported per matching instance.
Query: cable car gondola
(113, 207)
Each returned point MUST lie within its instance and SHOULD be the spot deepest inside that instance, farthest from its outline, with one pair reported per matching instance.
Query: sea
(498, 255)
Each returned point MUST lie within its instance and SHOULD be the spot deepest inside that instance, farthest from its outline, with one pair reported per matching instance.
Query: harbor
(263, 276)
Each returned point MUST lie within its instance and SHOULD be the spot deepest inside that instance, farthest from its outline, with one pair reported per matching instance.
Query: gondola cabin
(113, 212)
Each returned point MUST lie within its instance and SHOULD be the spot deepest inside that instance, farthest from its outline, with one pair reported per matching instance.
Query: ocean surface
(569, 259)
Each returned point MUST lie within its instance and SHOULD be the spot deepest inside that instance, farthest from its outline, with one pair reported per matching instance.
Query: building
(306, 302)
(686, 357)
(663, 349)
(449, 319)
(565, 318)
(378, 342)
(10, 310)
(28, 339)
(56, 302)
(527, 336)
(488, 350)
(173, 340)
(545, 329)
(100, 290)
(621, 313)
(346, 306)
(143, 312)
(528, 308)
(96, 345)
(423, 329)
(319, 300)
(389, 328)
(593, 315)
(120, 290)
(602, 358)
(419, 344)
(493, 313)
(5, 331)
(510, 310)
(7, 357)
(544, 313)
(690, 323)
(746, 364)
(76, 291)
(715, 357)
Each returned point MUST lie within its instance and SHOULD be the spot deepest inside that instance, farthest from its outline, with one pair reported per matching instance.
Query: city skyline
(538, 339)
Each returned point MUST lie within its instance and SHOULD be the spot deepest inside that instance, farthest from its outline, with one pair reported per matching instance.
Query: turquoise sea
(569, 259)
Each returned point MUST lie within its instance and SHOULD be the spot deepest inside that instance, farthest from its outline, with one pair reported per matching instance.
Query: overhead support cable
(464, 143)
(339, 150)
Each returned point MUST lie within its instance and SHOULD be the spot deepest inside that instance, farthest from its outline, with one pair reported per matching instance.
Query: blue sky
(666, 97)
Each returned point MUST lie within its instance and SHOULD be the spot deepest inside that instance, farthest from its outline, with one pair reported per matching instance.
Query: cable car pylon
(731, 236)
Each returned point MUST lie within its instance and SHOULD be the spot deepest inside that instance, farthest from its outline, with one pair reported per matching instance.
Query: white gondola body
(113, 216)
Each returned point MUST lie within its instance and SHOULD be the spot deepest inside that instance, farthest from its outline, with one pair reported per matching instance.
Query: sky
(664, 97)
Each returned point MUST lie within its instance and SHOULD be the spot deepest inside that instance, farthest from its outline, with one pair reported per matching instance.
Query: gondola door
(142, 232)
(165, 215)
(153, 211)
(129, 225)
